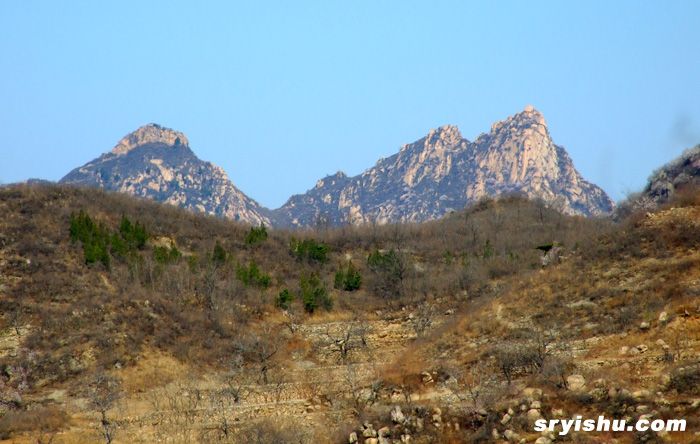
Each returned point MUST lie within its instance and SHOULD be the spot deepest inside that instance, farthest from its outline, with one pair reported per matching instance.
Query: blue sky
(282, 93)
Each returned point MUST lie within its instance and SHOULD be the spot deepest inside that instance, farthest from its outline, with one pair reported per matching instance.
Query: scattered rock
(532, 393)
(397, 415)
(352, 438)
(384, 432)
(533, 415)
(511, 435)
(369, 431)
(506, 418)
(641, 394)
(576, 382)
(543, 440)
(644, 326)
(663, 317)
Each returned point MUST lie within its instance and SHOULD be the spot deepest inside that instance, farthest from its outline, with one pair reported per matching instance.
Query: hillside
(148, 323)
(666, 183)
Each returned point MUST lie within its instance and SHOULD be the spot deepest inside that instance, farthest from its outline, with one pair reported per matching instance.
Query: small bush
(284, 299)
(348, 279)
(98, 242)
(389, 270)
(94, 237)
(686, 379)
(309, 250)
(251, 275)
(165, 255)
(313, 294)
(256, 235)
(134, 234)
(219, 255)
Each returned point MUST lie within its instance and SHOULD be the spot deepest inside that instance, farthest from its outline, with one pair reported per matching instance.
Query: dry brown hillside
(128, 321)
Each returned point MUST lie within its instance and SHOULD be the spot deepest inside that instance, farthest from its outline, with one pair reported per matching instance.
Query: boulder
(511, 435)
(532, 393)
(352, 439)
(397, 415)
(576, 382)
(505, 419)
(533, 415)
(644, 326)
(384, 432)
(663, 317)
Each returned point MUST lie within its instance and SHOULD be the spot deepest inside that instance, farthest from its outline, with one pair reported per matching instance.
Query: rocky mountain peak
(528, 118)
(443, 172)
(157, 163)
(446, 135)
(151, 133)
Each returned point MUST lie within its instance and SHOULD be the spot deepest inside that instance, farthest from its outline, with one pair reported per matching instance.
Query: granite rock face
(157, 163)
(667, 180)
(443, 172)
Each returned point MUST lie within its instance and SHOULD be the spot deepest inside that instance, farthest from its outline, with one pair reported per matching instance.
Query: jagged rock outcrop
(667, 180)
(157, 163)
(443, 172)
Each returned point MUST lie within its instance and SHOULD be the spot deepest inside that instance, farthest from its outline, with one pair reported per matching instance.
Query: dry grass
(157, 325)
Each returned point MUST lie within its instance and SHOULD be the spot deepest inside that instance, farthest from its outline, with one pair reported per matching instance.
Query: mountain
(443, 172)
(157, 163)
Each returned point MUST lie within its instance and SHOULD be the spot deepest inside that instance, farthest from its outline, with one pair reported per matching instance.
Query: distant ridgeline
(425, 180)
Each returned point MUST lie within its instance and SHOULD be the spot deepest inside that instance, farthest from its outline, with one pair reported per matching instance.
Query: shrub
(94, 237)
(165, 255)
(389, 269)
(309, 250)
(284, 299)
(251, 275)
(313, 293)
(98, 242)
(219, 255)
(256, 235)
(134, 234)
(348, 279)
(686, 379)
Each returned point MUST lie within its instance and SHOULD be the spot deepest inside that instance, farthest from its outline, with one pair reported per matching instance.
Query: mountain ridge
(443, 172)
(427, 179)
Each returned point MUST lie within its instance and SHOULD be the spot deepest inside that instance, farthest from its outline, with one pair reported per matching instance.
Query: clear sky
(283, 93)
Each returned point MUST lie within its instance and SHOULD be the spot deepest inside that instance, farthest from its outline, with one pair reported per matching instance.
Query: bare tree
(260, 349)
(104, 393)
(422, 319)
(292, 320)
(351, 337)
